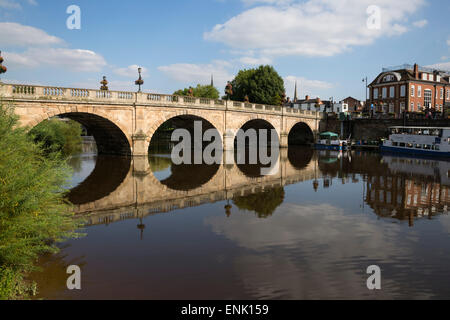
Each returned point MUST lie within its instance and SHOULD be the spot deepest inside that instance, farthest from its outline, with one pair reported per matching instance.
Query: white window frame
(391, 92)
(375, 93)
(413, 90)
(384, 93)
(402, 91)
(419, 91)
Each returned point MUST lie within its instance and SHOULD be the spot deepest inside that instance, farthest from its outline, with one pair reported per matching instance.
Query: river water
(155, 230)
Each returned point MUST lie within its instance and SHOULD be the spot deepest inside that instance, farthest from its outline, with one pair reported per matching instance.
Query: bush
(34, 215)
(59, 136)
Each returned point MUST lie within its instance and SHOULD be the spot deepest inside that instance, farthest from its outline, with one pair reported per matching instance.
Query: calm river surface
(160, 231)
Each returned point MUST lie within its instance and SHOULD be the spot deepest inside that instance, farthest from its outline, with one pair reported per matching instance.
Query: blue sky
(325, 45)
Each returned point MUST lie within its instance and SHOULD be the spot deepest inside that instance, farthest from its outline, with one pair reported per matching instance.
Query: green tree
(262, 85)
(59, 136)
(34, 215)
(200, 91)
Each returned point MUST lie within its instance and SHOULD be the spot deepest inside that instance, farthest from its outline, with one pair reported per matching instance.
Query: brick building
(409, 89)
(354, 105)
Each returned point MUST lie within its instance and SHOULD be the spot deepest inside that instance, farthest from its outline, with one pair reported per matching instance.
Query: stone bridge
(125, 122)
(139, 193)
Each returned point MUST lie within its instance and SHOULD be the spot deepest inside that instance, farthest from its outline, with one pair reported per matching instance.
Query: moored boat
(428, 141)
(330, 141)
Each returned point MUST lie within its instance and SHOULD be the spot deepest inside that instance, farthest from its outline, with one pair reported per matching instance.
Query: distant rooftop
(411, 67)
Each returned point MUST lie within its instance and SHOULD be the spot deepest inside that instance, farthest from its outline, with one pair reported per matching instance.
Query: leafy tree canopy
(200, 91)
(59, 136)
(262, 85)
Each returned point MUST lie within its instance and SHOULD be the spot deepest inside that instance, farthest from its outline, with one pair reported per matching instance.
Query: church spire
(295, 92)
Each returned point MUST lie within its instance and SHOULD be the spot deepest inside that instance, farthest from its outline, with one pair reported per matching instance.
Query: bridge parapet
(50, 93)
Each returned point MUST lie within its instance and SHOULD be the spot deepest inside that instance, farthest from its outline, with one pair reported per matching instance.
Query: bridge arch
(109, 134)
(192, 114)
(254, 118)
(300, 133)
(166, 116)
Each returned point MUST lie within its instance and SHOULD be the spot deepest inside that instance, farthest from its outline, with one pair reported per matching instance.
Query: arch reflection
(109, 173)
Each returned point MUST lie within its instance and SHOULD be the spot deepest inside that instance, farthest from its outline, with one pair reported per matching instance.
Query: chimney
(416, 71)
(307, 97)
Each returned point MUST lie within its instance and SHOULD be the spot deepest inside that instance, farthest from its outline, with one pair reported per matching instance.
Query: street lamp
(366, 81)
(139, 82)
(104, 84)
(3, 69)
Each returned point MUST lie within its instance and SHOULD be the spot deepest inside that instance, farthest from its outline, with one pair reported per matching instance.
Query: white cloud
(15, 34)
(131, 71)
(8, 4)
(313, 88)
(311, 28)
(69, 59)
(420, 23)
(440, 66)
(252, 61)
(199, 73)
(448, 42)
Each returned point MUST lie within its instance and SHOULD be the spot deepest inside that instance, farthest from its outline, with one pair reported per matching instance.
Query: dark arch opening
(185, 176)
(254, 170)
(300, 135)
(109, 137)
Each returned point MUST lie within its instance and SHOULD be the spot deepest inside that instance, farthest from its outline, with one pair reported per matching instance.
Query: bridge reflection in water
(122, 188)
(309, 232)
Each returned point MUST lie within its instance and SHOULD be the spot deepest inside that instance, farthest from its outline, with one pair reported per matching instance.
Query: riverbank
(34, 215)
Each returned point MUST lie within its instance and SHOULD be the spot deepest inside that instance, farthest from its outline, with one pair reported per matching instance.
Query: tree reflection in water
(263, 203)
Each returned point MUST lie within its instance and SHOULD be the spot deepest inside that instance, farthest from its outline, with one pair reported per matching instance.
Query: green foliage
(262, 85)
(200, 91)
(33, 213)
(263, 203)
(59, 136)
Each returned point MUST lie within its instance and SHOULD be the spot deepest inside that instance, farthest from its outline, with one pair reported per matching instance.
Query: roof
(407, 74)
(330, 134)
(401, 127)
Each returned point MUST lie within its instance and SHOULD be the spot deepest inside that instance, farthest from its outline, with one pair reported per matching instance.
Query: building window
(384, 93)
(391, 108)
(418, 106)
(392, 92)
(427, 98)
(424, 76)
(412, 91)
(375, 93)
(442, 93)
(402, 91)
(402, 106)
(412, 106)
(419, 91)
(448, 94)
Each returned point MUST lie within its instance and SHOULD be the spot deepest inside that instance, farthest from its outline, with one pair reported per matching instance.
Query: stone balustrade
(31, 92)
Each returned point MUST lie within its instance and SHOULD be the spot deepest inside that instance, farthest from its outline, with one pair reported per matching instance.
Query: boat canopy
(329, 135)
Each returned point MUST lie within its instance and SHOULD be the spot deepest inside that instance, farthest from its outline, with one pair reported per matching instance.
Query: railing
(23, 89)
(54, 92)
(74, 94)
